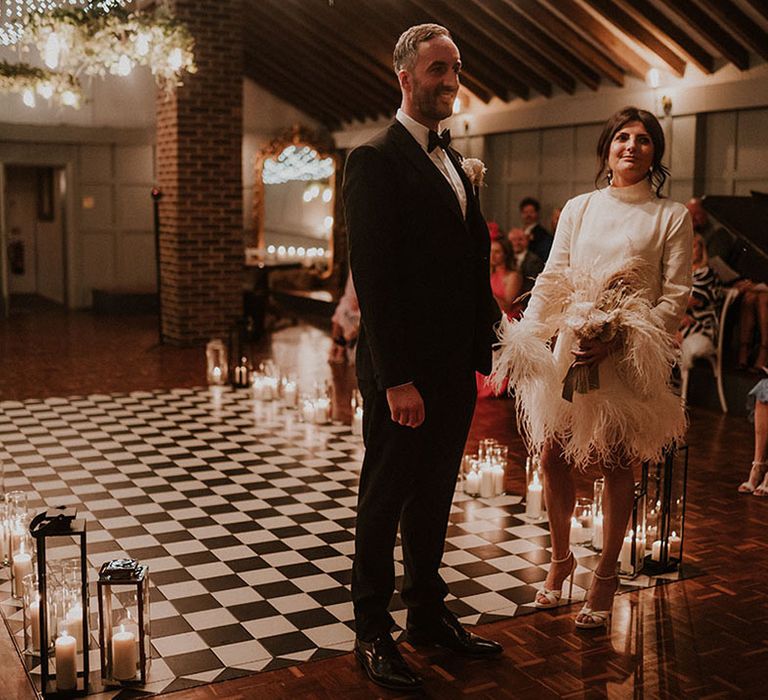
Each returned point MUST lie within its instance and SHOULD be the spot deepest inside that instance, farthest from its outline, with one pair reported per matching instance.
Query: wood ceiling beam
(517, 74)
(726, 12)
(564, 35)
(659, 22)
(270, 78)
(619, 51)
(759, 6)
(306, 71)
(265, 68)
(397, 18)
(535, 42)
(693, 15)
(636, 31)
(331, 53)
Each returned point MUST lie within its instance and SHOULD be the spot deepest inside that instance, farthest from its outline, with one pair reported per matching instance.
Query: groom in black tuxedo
(419, 249)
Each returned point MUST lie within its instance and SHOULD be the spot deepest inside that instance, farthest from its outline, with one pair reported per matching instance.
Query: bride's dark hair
(658, 173)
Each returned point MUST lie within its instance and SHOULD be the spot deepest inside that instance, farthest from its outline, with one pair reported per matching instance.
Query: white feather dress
(634, 412)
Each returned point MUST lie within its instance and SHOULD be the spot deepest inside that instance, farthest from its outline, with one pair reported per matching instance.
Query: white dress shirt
(438, 156)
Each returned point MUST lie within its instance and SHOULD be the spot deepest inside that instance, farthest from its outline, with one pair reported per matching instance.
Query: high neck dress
(634, 413)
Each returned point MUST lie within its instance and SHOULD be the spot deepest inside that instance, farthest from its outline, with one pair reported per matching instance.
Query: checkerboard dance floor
(246, 520)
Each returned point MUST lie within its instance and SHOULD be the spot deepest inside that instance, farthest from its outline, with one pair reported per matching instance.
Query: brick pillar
(199, 152)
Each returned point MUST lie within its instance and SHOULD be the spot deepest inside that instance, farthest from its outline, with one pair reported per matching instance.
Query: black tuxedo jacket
(530, 267)
(420, 268)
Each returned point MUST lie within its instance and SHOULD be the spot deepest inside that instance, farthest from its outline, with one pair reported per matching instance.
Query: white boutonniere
(475, 170)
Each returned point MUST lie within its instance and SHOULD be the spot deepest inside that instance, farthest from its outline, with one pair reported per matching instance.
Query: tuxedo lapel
(415, 154)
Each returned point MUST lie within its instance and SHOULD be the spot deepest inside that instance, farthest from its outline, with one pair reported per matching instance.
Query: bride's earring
(609, 176)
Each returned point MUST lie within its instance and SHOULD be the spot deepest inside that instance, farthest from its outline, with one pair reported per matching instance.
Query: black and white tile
(246, 519)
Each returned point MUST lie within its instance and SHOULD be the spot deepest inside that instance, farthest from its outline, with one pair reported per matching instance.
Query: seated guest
(345, 325)
(506, 281)
(719, 242)
(757, 402)
(698, 331)
(493, 230)
(540, 238)
(527, 263)
(722, 248)
(754, 313)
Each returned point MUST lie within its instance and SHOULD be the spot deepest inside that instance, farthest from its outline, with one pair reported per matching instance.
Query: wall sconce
(663, 105)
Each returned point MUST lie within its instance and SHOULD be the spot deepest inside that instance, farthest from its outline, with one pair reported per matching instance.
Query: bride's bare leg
(617, 507)
(560, 496)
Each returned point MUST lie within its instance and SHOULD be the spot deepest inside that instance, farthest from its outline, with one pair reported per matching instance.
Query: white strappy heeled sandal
(551, 599)
(595, 618)
(758, 471)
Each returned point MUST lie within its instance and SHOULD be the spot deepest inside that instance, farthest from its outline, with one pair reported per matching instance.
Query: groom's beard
(430, 104)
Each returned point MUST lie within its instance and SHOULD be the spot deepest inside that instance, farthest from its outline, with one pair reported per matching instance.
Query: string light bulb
(52, 50)
(28, 97)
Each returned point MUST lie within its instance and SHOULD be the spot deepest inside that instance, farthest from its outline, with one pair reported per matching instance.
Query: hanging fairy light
(86, 37)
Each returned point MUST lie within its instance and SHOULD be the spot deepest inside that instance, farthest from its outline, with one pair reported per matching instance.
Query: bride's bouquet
(599, 318)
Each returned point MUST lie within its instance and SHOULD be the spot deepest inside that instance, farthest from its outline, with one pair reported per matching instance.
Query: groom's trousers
(408, 478)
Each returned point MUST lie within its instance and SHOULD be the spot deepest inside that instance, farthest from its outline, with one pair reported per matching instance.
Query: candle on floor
(74, 624)
(578, 533)
(34, 621)
(22, 566)
(486, 481)
(472, 483)
(289, 393)
(533, 498)
(498, 480)
(66, 662)
(322, 411)
(675, 544)
(625, 556)
(357, 421)
(597, 533)
(308, 411)
(124, 655)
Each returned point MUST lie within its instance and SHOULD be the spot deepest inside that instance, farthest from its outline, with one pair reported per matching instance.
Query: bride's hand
(592, 352)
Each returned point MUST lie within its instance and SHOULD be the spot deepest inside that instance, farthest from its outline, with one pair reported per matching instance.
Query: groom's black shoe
(446, 632)
(383, 664)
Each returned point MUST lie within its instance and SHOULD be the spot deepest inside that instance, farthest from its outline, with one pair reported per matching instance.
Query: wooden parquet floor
(705, 637)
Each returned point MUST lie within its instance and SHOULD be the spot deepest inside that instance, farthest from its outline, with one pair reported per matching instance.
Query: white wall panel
(96, 207)
(95, 163)
(136, 261)
(134, 208)
(134, 164)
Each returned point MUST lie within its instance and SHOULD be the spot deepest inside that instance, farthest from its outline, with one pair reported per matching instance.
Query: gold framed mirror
(294, 200)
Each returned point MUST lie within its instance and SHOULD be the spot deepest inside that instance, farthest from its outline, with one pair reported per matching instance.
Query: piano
(746, 219)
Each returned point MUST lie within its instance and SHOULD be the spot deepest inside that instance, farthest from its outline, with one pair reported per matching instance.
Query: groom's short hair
(407, 46)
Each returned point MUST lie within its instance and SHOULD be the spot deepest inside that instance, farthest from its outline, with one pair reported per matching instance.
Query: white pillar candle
(216, 375)
(74, 624)
(308, 411)
(675, 544)
(124, 655)
(597, 533)
(66, 662)
(472, 483)
(656, 550)
(577, 532)
(289, 394)
(22, 566)
(34, 621)
(498, 480)
(625, 556)
(533, 498)
(3, 537)
(17, 534)
(486, 481)
(322, 411)
(357, 421)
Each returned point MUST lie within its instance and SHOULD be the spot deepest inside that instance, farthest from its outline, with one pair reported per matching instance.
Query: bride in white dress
(626, 413)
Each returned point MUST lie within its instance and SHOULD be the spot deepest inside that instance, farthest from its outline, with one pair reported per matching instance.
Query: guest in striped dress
(699, 329)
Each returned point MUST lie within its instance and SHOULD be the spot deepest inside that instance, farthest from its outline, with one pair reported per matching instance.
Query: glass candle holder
(534, 492)
(31, 614)
(22, 559)
(289, 391)
(470, 475)
(216, 362)
(499, 458)
(582, 521)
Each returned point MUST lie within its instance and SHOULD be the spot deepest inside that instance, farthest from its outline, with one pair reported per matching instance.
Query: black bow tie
(443, 140)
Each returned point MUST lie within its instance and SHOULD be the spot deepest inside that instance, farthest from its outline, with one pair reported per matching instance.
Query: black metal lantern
(667, 483)
(124, 621)
(63, 604)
